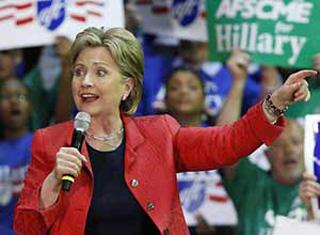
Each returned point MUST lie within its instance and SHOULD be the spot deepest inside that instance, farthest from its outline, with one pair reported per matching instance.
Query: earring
(124, 97)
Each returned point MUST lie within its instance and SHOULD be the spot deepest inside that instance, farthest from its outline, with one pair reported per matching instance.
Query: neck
(186, 120)
(13, 134)
(286, 181)
(105, 125)
(105, 133)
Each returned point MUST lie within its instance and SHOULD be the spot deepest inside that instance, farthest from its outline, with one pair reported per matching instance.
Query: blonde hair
(124, 49)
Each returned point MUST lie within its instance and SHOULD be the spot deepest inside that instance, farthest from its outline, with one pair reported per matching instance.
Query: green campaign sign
(276, 32)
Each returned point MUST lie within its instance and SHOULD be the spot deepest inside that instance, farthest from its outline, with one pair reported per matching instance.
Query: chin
(293, 178)
(92, 112)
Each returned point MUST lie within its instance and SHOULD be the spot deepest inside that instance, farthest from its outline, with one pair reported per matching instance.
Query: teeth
(87, 95)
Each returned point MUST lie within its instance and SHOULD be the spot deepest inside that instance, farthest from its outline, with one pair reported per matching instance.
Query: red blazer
(156, 149)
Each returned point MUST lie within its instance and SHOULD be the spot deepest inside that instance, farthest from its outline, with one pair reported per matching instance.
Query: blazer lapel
(134, 138)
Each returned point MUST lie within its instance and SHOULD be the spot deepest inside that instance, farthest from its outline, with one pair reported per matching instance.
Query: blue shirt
(216, 77)
(14, 160)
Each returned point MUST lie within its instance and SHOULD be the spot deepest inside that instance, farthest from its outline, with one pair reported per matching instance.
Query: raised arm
(309, 189)
(208, 148)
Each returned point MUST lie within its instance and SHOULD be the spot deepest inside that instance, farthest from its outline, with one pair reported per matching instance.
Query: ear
(270, 156)
(128, 86)
(267, 153)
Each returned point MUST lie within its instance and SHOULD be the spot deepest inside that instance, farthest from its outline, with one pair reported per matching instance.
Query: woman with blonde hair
(125, 174)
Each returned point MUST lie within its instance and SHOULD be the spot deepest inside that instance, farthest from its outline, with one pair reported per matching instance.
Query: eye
(78, 72)
(173, 88)
(194, 87)
(101, 73)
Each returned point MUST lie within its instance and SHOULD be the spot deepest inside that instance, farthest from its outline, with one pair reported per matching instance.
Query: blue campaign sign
(186, 11)
(51, 13)
(316, 163)
(192, 194)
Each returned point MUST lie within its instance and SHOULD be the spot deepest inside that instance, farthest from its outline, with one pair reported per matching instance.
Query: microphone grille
(82, 121)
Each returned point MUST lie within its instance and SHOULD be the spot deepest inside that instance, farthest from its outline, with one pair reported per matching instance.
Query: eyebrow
(100, 62)
(95, 63)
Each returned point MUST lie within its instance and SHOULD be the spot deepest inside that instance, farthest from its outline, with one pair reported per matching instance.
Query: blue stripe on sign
(316, 154)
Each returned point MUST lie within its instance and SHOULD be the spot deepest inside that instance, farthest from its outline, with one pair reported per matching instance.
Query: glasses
(16, 97)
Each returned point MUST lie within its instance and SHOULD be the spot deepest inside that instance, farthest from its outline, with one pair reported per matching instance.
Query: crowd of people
(205, 98)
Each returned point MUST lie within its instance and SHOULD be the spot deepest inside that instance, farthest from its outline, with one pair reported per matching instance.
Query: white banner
(285, 226)
(25, 23)
(312, 154)
(202, 193)
(184, 19)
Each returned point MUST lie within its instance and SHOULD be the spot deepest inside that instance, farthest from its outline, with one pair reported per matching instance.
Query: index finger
(74, 151)
(302, 75)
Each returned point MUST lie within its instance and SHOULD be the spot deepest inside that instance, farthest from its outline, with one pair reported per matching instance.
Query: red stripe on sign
(16, 6)
(217, 198)
(23, 6)
(78, 17)
(160, 10)
(143, 2)
(24, 21)
(96, 3)
(3, 18)
(6, 7)
(94, 13)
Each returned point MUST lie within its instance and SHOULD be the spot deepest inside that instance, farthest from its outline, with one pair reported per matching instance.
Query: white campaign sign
(26, 23)
(202, 193)
(184, 19)
(312, 130)
(286, 226)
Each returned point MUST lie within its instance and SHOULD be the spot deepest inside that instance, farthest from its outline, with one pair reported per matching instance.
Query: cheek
(171, 96)
(26, 107)
(4, 106)
(4, 110)
(74, 87)
(197, 96)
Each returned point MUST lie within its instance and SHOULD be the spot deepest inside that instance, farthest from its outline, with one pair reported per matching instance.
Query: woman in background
(15, 147)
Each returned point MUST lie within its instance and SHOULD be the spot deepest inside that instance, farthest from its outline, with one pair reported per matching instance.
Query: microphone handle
(77, 140)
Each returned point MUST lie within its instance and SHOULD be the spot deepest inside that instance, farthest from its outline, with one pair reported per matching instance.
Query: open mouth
(290, 162)
(16, 112)
(89, 97)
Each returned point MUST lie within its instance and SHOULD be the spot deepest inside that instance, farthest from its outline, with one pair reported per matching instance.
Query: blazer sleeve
(198, 148)
(29, 218)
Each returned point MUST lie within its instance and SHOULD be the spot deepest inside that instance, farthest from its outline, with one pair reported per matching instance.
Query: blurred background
(191, 51)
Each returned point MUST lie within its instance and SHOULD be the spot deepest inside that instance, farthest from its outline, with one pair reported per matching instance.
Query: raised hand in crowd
(63, 45)
(231, 110)
(309, 188)
(238, 65)
(64, 100)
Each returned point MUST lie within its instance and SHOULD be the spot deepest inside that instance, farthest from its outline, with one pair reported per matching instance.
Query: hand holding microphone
(68, 166)
(69, 160)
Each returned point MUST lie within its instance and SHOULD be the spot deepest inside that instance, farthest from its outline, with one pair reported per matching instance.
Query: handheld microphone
(81, 125)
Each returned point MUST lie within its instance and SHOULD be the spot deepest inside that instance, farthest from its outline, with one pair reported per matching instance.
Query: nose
(293, 149)
(87, 81)
(184, 90)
